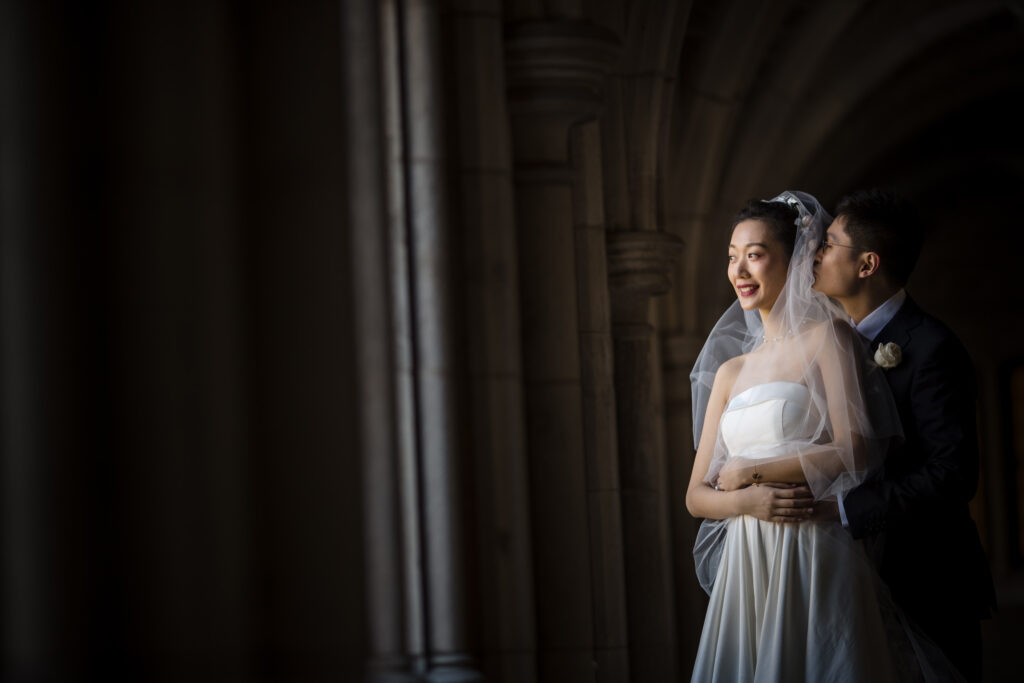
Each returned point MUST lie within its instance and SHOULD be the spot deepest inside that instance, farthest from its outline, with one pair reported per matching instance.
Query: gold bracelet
(755, 476)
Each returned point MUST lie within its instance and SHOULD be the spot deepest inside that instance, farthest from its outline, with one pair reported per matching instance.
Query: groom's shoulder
(932, 334)
(927, 324)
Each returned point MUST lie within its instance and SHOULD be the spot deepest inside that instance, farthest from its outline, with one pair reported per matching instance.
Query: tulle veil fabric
(852, 418)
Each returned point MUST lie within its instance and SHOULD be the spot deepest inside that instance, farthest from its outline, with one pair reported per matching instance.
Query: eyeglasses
(827, 244)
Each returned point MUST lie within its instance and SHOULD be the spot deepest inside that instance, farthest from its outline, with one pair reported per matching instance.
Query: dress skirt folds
(795, 602)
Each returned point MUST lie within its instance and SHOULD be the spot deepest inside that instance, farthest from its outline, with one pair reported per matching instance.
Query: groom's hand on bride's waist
(793, 502)
(778, 502)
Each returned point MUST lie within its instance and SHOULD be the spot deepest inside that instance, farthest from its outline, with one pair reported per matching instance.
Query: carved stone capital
(558, 67)
(640, 265)
(640, 262)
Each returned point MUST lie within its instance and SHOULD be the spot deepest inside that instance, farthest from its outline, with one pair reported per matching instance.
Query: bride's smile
(746, 290)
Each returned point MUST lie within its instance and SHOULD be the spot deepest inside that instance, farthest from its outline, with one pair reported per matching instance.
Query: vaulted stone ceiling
(829, 96)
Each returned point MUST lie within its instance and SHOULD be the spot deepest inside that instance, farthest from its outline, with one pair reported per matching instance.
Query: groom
(931, 555)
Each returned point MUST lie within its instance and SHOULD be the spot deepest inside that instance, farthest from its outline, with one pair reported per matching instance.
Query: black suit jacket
(931, 555)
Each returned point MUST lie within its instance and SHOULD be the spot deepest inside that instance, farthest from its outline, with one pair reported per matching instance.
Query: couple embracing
(836, 455)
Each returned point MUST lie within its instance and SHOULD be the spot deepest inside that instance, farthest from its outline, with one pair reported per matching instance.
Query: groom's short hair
(887, 224)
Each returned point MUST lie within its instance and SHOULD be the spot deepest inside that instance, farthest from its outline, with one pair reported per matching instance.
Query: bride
(786, 416)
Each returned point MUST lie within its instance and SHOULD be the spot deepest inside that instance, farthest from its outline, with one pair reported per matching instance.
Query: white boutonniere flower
(888, 355)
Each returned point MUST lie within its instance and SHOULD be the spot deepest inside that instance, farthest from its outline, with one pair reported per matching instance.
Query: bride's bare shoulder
(729, 370)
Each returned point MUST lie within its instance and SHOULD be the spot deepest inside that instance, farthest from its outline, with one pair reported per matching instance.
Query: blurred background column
(639, 265)
(32, 588)
(483, 211)
(556, 72)
(393, 600)
(430, 358)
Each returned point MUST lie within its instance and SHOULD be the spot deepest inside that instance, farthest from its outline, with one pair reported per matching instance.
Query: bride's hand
(734, 474)
(778, 502)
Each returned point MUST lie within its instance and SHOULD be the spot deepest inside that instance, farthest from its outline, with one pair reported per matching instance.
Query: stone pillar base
(457, 668)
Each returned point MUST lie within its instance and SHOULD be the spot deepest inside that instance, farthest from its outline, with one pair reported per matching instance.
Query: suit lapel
(900, 328)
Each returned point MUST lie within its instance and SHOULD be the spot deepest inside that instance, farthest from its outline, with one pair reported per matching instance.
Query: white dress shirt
(869, 327)
(876, 320)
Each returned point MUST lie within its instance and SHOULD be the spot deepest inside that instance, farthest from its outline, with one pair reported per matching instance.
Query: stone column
(555, 78)
(639, 265)
(600, 438)
(387, 641)
(27, 615)
(679, 351)
(428, 363)
(485, 214)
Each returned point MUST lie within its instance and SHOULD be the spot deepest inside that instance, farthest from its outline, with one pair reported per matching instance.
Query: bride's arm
(739, 472)
(768, 502)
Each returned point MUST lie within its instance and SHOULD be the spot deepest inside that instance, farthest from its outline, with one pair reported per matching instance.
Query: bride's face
(757, 265)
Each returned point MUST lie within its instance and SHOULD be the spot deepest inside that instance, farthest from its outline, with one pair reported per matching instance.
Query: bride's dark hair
(781, 219)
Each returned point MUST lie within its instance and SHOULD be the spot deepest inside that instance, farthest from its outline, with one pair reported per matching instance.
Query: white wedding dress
(796, 601)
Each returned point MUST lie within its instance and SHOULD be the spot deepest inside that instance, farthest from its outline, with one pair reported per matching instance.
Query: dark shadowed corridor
(347, 341)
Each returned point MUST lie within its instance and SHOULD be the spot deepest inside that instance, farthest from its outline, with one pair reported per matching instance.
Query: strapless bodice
(766, 415)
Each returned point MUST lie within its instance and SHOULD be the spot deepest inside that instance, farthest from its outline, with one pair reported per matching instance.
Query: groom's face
(836, 265)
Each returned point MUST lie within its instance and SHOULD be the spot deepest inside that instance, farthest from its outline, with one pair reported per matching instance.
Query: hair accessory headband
(804, 218)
